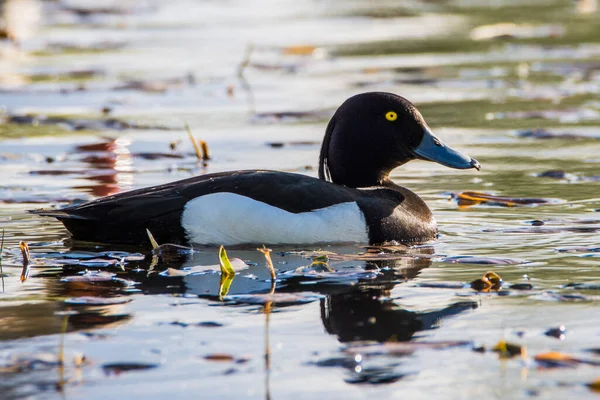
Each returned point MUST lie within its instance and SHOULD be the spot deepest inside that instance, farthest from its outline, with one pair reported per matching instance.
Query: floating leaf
(509, 350)
(595, 385)
(226, 267)
(221, 357)
(468, 199)
(555, 359)
(301, 50)
(489, 281)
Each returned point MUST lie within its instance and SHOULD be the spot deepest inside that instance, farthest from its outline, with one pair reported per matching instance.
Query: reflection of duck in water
(358, 313)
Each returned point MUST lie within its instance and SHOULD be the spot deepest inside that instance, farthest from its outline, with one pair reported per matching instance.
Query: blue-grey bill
(432, 149)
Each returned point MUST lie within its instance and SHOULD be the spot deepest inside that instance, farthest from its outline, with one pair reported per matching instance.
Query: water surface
(95, 97)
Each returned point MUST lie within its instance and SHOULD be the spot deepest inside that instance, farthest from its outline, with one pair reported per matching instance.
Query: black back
(391, 213)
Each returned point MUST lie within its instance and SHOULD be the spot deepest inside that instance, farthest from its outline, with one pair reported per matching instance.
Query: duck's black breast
(394, 213)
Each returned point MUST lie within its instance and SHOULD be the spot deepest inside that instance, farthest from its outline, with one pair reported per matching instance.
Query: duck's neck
(355, 177)
(357, 161)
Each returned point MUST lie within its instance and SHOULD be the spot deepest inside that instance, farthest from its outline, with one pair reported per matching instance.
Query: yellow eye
(391, 116)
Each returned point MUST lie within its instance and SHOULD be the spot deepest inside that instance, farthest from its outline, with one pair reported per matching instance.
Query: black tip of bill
(432, 149)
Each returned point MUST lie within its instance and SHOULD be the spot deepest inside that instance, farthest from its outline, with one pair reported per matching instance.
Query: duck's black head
(373, 133)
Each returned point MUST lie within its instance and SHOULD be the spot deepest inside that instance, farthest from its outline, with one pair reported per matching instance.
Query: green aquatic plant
(227, 273)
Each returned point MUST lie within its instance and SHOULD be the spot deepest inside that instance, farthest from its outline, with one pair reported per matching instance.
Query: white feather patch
(228, 219)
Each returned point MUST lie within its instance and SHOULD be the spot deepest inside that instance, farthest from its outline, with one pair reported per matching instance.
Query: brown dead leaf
(595, 385)
(509, 350)
(468, 199)
(221, 357)
(556, 359)
(489, 281)
(26, 260)
(301, 50)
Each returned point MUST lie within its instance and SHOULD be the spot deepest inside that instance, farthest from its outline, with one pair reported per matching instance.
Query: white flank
(228, 219)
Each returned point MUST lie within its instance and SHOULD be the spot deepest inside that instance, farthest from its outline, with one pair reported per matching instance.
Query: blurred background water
(95, 96)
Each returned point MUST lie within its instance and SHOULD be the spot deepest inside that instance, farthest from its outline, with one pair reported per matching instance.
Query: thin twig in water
(1, 269)
(61, 353)
(267, 312)
(205, 153)
(245, 85)
(202, 152)
(196, 147)
(26, 260)
(267, 253)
